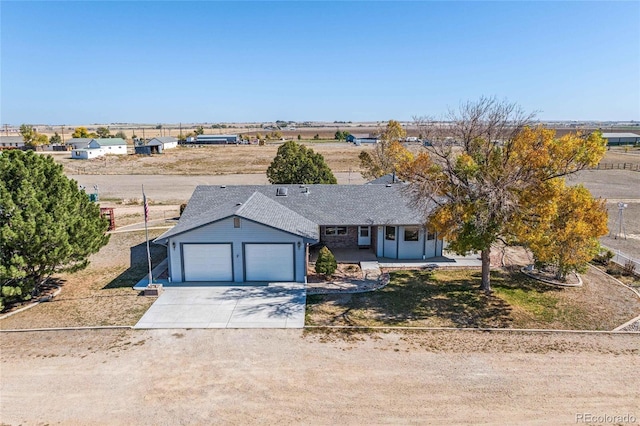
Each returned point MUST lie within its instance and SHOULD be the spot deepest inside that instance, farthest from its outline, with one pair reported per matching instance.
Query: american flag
(146, 208)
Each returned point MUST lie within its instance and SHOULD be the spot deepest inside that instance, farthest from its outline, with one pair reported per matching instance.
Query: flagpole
(146, 231)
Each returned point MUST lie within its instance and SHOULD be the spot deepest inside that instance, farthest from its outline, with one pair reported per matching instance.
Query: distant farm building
(359, 139)
(11, 142)
(167, 142)
(100, 147)
(156, 145)
(215, 139)
(614, 139)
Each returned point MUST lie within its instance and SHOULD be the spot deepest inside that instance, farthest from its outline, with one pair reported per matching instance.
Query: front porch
(357, 256)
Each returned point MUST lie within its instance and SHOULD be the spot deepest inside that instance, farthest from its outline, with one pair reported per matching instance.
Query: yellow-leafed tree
(387, 155)
(487, 166)
(563, 232)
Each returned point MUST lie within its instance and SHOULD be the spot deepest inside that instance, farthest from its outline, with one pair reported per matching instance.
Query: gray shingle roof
(11, 139)
(81, 142)
(339, 205)
(256, 207)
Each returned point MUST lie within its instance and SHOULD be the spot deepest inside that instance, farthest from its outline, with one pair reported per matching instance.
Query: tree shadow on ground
(417, 298)
(44, 293)
(138, 266)
(274, 301)
(510, 278)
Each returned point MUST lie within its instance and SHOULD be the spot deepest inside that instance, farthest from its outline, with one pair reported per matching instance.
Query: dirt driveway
(302, 377)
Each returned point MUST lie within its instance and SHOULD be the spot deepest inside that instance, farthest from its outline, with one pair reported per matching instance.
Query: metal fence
(622, 260)
(634, 167)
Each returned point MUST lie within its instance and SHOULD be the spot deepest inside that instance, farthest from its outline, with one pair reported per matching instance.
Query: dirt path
(293, 377)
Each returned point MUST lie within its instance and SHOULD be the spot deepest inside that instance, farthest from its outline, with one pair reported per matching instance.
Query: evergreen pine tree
(47, 224)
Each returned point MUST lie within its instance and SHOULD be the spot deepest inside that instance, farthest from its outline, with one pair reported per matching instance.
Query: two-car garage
(256, 262)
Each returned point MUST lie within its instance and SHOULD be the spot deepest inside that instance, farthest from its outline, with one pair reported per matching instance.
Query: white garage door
(207, 262)
(269, 262)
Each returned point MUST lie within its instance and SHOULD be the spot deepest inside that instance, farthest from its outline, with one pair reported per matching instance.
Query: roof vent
(281, 191)
(238, 204)
(305, 190)
(223, 186)
(388, 185)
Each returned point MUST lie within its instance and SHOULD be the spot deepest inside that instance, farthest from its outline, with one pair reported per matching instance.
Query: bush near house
(326, 263)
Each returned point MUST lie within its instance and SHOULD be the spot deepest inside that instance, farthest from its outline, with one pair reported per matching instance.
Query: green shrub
(326, 263)
(604, 257)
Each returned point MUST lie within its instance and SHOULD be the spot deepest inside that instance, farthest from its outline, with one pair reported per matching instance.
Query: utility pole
(62, 131)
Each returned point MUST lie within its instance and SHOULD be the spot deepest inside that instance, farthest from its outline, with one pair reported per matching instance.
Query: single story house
(11, 142)
(359, 139)
(614, 139)
(263, 232)
(99, 147)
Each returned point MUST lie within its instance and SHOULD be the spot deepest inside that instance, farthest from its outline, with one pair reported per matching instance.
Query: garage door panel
(207, 262)
(269, 262)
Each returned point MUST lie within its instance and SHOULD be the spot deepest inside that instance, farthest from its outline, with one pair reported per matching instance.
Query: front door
(364, 236)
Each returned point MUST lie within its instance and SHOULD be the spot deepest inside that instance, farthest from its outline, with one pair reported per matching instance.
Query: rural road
(175, 188)
(306, 377)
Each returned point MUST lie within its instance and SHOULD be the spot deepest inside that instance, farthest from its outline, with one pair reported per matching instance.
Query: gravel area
(315, 377)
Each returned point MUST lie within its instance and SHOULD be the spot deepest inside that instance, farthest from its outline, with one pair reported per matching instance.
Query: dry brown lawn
(101, 294)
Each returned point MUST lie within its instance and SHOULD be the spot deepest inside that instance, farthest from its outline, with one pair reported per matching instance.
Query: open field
(208, 160)
(301, 377)
(237, 159)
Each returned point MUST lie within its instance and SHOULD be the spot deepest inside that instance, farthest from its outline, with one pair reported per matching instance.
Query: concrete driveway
(276, 305)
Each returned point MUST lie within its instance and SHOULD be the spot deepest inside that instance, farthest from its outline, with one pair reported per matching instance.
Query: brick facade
(349, 240)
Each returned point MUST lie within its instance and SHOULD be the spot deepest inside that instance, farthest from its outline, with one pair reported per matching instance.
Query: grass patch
(414, 298)
(451, 298)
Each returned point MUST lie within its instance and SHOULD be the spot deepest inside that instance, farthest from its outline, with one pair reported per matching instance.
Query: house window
(364, 231)
(390, 233)
(411, 233)
(236, 222)
(335, 230)
(431, 235)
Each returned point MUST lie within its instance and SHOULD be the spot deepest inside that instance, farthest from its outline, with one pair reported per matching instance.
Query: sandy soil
(296, 377)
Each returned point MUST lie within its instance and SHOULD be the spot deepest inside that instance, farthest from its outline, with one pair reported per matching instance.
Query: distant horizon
(164, 61)
(299, 126)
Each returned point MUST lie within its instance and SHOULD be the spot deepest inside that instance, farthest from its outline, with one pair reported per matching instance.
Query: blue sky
(168, 62)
